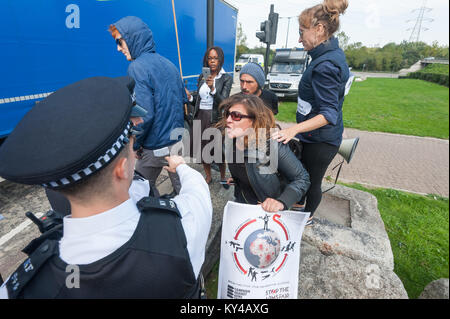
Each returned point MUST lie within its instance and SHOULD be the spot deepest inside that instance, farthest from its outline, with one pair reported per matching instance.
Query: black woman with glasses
(212, 89)
(263, 171)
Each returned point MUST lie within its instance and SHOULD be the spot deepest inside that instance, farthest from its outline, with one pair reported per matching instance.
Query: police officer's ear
(121, 169)
(124, 165)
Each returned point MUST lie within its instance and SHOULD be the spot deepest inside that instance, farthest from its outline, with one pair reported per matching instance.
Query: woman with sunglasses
(263, 171)
(321, 96)
(210, 93)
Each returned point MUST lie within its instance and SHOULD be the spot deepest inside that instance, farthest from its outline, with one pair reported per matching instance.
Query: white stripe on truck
(24, 98)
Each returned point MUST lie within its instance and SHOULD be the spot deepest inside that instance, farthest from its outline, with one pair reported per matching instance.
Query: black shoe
(310, 222)
(298, 209)
(169, 196)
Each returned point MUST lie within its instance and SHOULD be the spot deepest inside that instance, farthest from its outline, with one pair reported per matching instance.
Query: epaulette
(148, 203)
(25, 272)
(55, 233)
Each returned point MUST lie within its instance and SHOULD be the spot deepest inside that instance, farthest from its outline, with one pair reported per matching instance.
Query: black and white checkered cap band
(92, 168)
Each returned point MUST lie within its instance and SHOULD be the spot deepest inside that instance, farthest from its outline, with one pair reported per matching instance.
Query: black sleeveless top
(154, 263)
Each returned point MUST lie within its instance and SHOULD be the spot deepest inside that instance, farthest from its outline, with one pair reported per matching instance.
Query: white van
(246, 58)
(286, 72)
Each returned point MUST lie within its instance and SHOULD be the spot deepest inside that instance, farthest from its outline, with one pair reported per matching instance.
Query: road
(15, 229)
(365, 75)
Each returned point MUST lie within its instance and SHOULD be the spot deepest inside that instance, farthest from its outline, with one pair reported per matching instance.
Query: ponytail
(326, 13)
(334, 8)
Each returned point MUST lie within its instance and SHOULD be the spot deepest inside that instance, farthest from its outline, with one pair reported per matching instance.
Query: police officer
(111, 246)
(59, 202)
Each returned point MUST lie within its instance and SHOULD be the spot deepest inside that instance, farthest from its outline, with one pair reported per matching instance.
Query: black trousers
(316, 158)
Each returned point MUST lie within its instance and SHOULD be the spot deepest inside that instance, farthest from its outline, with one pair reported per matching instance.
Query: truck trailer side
(48, 44)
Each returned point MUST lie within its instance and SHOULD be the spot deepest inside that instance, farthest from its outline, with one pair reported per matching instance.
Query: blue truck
(48, 44)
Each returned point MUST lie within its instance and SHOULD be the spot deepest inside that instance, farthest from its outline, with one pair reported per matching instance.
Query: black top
(243, 190)
(223, 88)
(154, 263)
(270, 100)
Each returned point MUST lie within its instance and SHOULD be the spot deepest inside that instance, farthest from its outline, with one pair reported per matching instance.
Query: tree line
(390, 58)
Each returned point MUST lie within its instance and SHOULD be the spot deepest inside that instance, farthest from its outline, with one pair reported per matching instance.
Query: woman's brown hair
(262, 117)
(114, 32)
(326, 13)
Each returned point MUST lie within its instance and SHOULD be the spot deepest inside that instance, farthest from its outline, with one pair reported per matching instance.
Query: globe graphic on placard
(261, 248)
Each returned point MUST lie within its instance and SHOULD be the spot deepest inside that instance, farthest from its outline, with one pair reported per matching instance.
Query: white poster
(260, 253)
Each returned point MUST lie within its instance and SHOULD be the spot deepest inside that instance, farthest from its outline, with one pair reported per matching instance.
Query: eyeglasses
(300, 32)
(119, 42)
(236, 116)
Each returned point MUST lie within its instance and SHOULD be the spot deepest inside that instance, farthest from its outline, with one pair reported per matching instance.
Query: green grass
(418, 229)
(212, 282)
(406, 106)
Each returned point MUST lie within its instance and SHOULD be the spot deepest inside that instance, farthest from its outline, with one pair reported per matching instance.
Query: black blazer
(223, 89)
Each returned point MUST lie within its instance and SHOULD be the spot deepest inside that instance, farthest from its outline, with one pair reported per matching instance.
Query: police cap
(70, 135)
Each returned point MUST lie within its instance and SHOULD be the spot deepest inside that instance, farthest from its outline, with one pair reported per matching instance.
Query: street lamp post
(287, 33)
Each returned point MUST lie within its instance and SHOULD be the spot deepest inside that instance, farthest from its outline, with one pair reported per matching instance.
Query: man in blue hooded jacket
(160, 90)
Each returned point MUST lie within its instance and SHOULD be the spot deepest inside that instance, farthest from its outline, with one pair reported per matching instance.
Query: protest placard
(260, 253)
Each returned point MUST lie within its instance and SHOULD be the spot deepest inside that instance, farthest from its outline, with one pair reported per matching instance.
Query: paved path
(413, 164)
(365, 75)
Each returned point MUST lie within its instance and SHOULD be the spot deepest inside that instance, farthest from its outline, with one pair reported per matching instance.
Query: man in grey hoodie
(160, 90)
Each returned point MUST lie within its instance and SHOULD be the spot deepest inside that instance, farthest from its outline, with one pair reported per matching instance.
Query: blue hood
(137, 35)
(159, 88)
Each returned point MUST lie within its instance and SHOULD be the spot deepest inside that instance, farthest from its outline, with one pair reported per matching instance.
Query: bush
(436, 69)
(441, 79)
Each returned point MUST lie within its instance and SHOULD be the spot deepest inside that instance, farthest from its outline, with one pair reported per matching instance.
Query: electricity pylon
(417, 29)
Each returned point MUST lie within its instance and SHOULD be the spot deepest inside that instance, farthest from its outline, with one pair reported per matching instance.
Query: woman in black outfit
(321, 95)
(210, 93)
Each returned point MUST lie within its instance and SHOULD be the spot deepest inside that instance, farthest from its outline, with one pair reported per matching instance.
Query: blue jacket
(322, 90)
(159, 87)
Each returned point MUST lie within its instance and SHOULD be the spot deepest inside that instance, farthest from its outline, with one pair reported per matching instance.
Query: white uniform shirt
(89, 239)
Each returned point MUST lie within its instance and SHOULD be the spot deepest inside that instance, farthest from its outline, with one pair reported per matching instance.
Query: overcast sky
(372, 22)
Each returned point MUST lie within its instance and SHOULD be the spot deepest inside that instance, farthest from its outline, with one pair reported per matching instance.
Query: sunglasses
(119, 41)
(236, 116)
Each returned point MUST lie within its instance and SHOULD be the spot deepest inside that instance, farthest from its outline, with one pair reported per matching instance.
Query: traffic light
(273, 18)
(264, 34)
(268, 34)
(269, 28)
